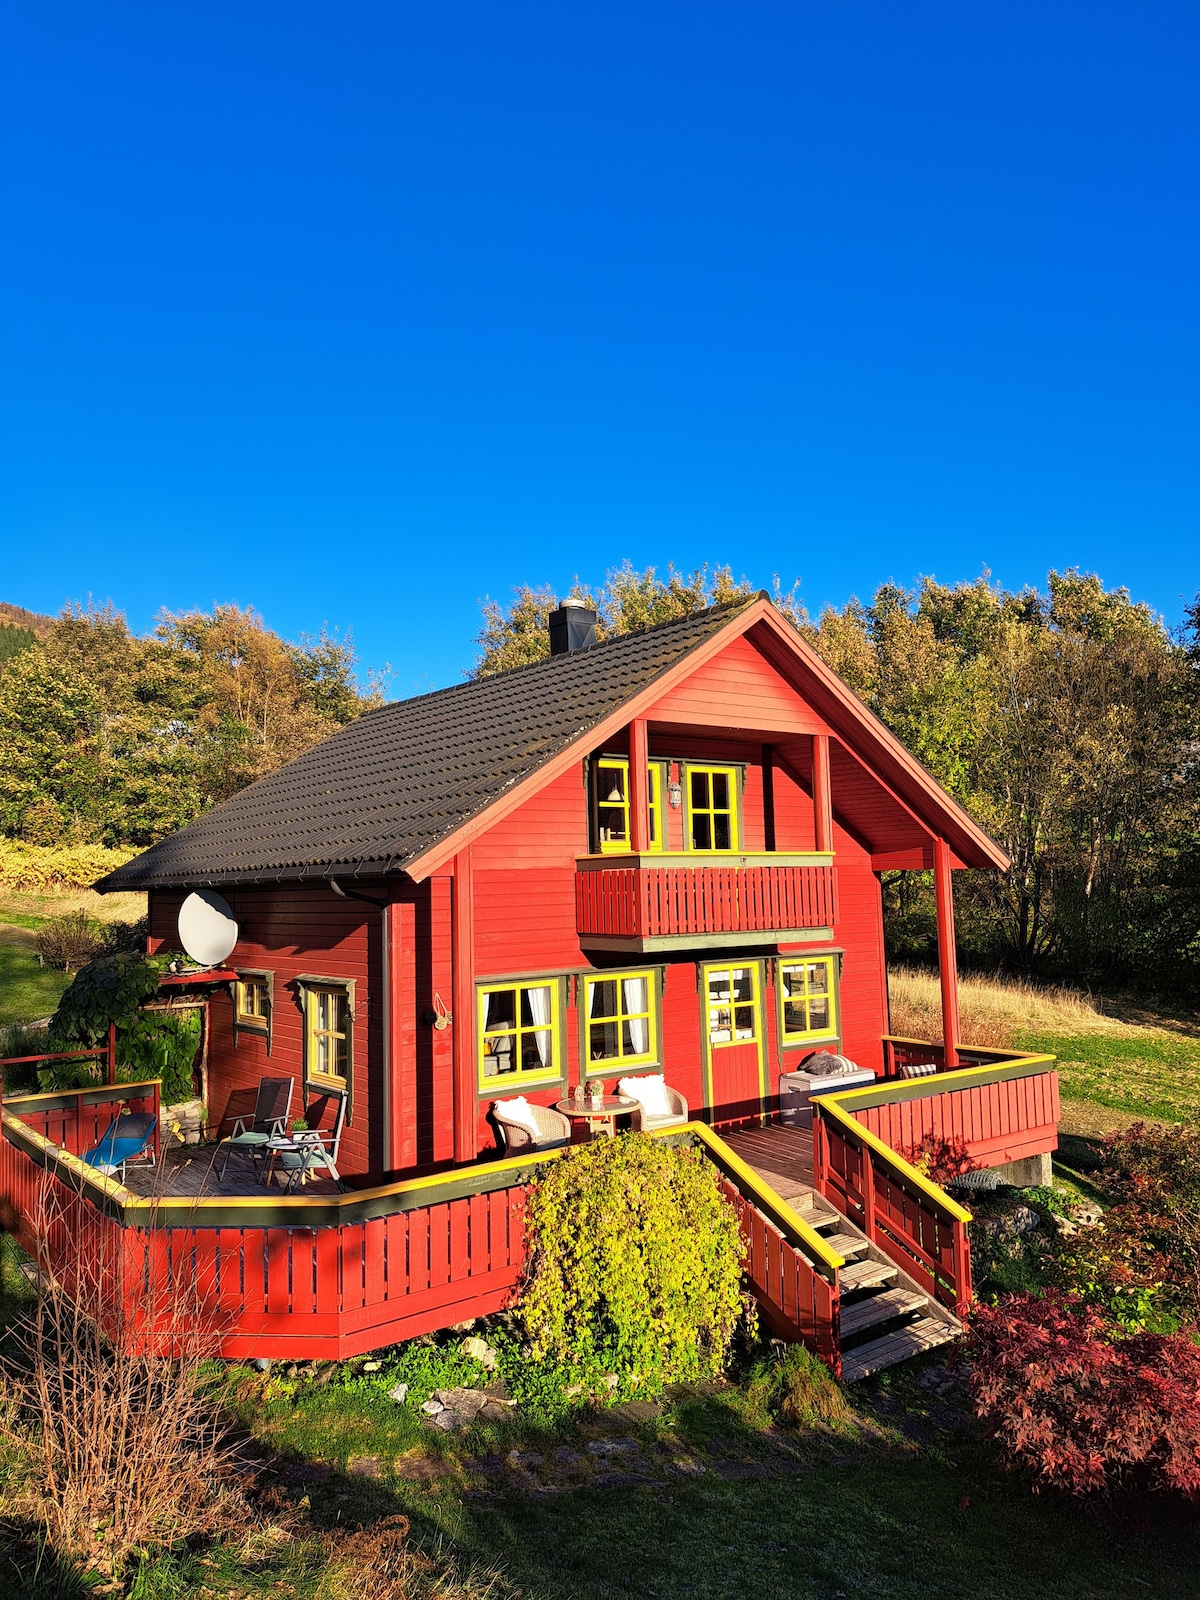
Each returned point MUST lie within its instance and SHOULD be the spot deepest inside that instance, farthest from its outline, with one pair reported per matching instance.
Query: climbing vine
(635, 1265)
(150, 1044)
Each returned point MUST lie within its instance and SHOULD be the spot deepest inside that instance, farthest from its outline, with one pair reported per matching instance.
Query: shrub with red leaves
(939, 1158)
(1080, 1407)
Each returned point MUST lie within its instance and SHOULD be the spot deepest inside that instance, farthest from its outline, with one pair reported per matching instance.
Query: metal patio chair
(251, 1134)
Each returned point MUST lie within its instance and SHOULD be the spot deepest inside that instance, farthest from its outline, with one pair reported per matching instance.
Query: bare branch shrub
(106, 1393)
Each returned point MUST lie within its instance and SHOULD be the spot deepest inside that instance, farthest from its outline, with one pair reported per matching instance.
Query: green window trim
(327, 1009)
(610, 805)
(519, 1038)
(627, 1020)
(713, 808)
(809, 999)
(257, 1021)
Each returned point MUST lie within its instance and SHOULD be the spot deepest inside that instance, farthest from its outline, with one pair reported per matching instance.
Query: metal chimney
(572, 627)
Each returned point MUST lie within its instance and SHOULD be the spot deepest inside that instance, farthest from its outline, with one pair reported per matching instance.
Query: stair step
(926, 1334)
(881, 1308)
(846, 1244)
(865, 1275)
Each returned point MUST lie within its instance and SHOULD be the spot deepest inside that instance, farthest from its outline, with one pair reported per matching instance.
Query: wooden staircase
(885, 1316)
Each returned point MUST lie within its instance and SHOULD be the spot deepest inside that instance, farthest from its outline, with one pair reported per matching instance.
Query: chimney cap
(574, 600)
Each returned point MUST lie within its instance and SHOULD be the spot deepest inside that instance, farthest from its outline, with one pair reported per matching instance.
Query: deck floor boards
(782, 1156)
(194, 1171)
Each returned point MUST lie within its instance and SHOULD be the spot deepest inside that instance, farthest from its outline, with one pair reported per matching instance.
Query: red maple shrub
(1081, 1406)
(940, 1158)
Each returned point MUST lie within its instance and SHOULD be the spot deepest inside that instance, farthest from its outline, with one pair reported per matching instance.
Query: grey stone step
(881, 1308)
(865, 1275)
(925, 1334)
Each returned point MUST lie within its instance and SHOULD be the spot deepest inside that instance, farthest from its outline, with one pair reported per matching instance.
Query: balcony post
(465, 1099)
(822, 798)
(639, 809)
(943, 889)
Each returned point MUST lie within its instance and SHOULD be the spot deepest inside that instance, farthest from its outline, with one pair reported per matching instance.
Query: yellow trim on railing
(830, 1102)
(762, 1191)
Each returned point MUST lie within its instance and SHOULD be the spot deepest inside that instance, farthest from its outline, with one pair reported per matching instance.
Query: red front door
(731, 996)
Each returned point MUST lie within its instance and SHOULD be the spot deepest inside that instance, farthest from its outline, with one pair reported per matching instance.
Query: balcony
(641, 904)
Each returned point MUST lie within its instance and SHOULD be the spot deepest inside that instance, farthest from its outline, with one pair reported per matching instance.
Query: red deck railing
(667, 902)
(910, 1218)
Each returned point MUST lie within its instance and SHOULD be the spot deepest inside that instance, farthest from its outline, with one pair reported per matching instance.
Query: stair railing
(908, 1216)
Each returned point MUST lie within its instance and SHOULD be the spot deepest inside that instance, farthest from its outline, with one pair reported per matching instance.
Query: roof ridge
(589, 650)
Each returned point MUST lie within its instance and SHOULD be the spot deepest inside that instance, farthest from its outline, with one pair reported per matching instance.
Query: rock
(448, 1420)
(372, 1366)
(1087, 1213)
(463, 1327)
(261, 1363)
(432, 1407)
(523, 1459)
(564, 1456)
(467, 1402)
(636, 1411)
(613, 1447)
(480, 1350)
(399, 1393)
(417, 1467)
(495, 1411)
(363, 1467)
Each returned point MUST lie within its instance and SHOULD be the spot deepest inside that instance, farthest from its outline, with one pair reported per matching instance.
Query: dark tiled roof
(385, 788)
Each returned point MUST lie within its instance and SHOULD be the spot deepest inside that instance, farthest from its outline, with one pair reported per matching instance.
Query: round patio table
(601, 1119)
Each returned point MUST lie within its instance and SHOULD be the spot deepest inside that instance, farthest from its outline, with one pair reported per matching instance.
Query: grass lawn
(1143, 1072)
(27, 991)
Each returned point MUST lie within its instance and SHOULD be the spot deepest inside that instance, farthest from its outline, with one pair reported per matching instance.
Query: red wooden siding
(738, 689)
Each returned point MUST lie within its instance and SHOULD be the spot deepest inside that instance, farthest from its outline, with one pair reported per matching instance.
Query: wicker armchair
(553, 1129)
(641, 1123)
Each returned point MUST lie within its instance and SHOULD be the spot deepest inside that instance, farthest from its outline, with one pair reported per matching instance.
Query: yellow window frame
(253, 985)
(314, 995)
(619, 1018)
(711, 811)
(518, 1033)
(805, 997)
(653, 804)
(712, 1007)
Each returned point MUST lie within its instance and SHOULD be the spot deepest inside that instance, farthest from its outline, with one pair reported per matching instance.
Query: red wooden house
(655, 854)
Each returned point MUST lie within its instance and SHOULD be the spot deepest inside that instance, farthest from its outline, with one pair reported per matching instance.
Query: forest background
(1065, 719)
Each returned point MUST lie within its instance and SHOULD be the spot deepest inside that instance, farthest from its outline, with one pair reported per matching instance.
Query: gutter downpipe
(385, 1010)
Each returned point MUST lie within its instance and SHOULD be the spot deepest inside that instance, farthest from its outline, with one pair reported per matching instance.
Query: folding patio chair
(316, 1151)
(126, 1139)
(250, 1134)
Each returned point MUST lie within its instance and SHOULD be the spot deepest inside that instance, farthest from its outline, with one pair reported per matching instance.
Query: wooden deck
(195, 1171)
(782, 1157)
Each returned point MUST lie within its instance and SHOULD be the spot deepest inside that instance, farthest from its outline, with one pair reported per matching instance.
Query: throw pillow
(519, 1110)
(650, 1092)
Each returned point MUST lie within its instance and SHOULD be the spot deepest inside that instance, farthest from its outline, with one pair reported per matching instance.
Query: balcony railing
(655, 906)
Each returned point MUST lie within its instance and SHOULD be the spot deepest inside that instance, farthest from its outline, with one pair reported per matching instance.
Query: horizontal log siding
(997, 1122)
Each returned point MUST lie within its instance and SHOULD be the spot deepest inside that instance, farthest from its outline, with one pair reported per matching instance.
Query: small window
(518, 1034)
(712, 808)
(612, 804)
(621, 1020)
(731, 995)
(807, 998)
(328, 1034)
(253, 1001)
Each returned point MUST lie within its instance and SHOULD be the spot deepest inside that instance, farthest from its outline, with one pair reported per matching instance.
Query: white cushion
(520, 1111)
(650, 1092)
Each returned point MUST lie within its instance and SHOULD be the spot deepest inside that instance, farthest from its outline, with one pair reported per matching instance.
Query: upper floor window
(807, 999)
(621, 1019)
(612, 805)
(518, 1033)
(712, 819)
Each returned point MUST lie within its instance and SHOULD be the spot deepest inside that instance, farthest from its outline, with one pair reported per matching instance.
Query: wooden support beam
(111, 1073)
(822, 797)
(393, 1037)
(639, 811)
(943, 889)
(465, 1099)
(768, 785)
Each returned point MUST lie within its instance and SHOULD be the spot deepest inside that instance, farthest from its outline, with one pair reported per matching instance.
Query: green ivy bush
(150, 1044)
(635, 1264)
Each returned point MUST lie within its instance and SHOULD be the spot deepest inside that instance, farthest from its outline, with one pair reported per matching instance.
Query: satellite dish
(207, 929)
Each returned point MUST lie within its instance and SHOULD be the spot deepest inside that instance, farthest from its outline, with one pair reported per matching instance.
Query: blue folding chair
(127, 1138)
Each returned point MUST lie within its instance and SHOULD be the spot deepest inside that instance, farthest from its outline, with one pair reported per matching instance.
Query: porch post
(639, 812)
(822, 798)
(943, 889)
(111, 1073)
(465, 1099)
(393, 1037)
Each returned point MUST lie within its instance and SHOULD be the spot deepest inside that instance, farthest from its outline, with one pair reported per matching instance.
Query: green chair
(250, 1134)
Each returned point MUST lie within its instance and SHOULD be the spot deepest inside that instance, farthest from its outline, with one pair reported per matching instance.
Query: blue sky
(360, 312)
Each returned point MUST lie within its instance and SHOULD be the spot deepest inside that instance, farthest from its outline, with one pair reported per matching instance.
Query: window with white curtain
(621, 1019)
(518, 1033)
